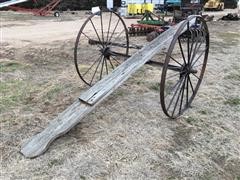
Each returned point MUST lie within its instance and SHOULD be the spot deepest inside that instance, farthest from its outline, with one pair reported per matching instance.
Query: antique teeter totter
(102, 61)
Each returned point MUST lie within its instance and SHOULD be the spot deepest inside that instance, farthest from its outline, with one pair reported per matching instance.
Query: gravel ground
(127, 136)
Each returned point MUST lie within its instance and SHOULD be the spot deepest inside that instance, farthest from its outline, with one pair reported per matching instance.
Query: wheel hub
(106, 52)
(186, 70)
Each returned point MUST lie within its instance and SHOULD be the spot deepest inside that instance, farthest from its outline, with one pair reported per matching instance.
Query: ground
(127, 136)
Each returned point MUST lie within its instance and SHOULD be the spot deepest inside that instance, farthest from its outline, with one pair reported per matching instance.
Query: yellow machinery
(134, 9)
(147, 7)
(214, 5)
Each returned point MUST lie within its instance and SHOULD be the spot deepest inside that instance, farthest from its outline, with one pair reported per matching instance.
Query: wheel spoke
(193, 39)
(191, 84)
(196, 50)
(188, 46)
(181, 101)
(96, 71)
(175, 60)
(90, 38)
(111, 62)
(110, 21)
(197, 65)
(196, 76)
(106, 66)
(115, 59)
(178, 96)
(102, 27)
(96, 33)
(196, 44)
(175, 85)
(116, 38)
(187, 92)
(169, 105)
(114, 30)
(92, 65)
(174, 75)
(101, 73)
(198, 58)
(180, 45)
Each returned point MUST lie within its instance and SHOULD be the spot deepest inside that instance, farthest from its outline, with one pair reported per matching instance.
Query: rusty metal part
(39, 12)
(189, 51)
(102, 44)
(144, 29)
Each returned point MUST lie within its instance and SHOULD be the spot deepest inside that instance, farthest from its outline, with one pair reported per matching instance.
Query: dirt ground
(127, 136)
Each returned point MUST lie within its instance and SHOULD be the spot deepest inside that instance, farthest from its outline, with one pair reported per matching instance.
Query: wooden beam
(39, 143)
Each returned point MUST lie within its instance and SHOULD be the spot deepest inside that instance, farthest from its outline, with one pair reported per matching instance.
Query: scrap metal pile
(230, 17)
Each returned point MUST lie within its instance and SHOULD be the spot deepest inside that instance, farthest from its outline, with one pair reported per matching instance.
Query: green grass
(10, 66)
(14, 93)
(119, 93)
(53, 92)
(230, 38)
(203, 112)
(154, 87)
(190, 120)
(233, 101)
(233, 76)
(55, 162)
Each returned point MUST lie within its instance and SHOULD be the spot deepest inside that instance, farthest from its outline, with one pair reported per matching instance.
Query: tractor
(214, 5)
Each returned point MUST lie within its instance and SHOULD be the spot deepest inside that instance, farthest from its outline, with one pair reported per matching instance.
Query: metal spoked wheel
(184, 67)
(101, 45)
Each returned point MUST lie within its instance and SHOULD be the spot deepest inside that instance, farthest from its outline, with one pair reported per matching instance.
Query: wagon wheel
(101, 45)
(184, 67)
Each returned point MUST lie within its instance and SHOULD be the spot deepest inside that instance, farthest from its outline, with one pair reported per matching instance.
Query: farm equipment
(134, 9)
(47, 9)
(103, 62)
(214, 5)
(147, 25)
(187, 8)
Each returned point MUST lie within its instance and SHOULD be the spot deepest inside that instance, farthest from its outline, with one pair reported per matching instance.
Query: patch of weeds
(83, 177)
(191, 120)
(238, 178)
(207, 177)
(10, 66)
(204, 112)
(232, 101)
(14, 93)
(139, 82)
(228, 37)
(119, 93)
(54, 162)
(171, 178)
(233, 76)
(155, 87)
(53, 92)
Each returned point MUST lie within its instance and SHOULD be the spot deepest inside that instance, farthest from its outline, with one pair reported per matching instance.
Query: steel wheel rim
(106, 43)
(185, 82)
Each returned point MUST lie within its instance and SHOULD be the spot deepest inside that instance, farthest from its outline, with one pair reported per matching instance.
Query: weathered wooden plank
(39, 143)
